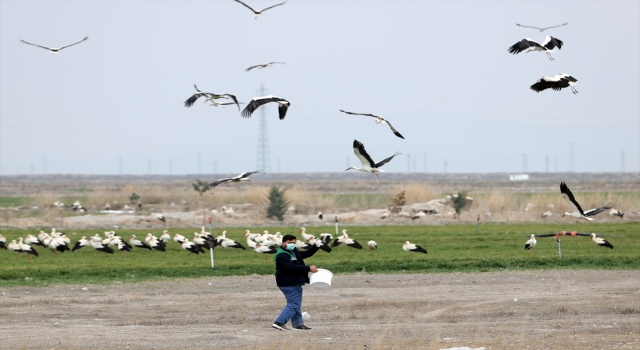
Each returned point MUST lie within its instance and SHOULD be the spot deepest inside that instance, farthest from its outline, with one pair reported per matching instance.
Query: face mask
(291, 246)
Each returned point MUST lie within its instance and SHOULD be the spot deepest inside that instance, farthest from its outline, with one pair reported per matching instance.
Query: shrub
(459, 202)
(278, 203)
(397, 203)
(200, 186)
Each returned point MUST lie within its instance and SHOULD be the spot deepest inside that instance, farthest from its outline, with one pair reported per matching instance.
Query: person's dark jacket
(293, 272)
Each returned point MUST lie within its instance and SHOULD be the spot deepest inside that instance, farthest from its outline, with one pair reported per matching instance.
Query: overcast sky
(438, 70)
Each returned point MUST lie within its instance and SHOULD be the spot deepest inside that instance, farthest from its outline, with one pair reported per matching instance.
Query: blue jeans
(292, 312)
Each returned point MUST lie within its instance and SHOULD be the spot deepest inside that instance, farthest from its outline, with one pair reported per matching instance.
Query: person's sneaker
(279, 326)
(302, 328)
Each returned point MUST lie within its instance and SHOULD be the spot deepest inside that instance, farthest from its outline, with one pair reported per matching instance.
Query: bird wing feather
(550, 43)
(247, 6)
(592, 212)
(219, 181)
(365, 114)
(386, 160)
(520, 25)
(270, 7)
(394, 130)
(282, 110)
(235, 100)
(74, 43)
(568, 196)
(252, 67)
(361, 153)
(44, 47)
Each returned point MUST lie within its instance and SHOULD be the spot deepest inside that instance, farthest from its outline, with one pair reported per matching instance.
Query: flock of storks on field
(263, 243)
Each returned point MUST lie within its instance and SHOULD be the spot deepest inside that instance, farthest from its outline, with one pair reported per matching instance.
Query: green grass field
(451, 248)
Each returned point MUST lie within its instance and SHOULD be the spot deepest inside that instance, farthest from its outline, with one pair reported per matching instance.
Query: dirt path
(554, 310)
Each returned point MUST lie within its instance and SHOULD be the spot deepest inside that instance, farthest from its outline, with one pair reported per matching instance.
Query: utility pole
(622, 161)
(264, 159)
(120, 165)
(44, 164)
(445, 166)
(571, 165)
(524, 163)
(425, 162)
(170, 166)
(215, 167)
(199, 162)
(149, 167)
(547, 167)
(555, 163)
(414, 163)
(408, 163)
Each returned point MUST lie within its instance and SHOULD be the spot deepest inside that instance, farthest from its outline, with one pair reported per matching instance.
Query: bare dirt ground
(506, 310)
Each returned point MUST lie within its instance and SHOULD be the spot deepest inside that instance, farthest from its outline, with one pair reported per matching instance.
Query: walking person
(291, 275)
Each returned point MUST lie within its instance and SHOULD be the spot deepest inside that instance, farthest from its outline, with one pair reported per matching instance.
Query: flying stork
(577, 210)
(256, 102)
(547, 46)
(210, 97)
(378, 120)
(54, 50)
(264, 65)
(601, 242)
(368, 165)
(556, 82)
(258, 13)
(543, 29)
(242, 177)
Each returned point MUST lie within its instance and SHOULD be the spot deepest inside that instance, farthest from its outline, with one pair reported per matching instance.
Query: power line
(264, 159)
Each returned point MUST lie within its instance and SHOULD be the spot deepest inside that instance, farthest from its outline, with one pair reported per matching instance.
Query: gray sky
(439, 71)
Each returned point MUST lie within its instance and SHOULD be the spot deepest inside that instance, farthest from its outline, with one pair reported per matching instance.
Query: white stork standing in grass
(178, 238)
(323, 246)
(25, 248)
(368, 165)
(372, 245)
(265, 250)
(601, 242)
(251, 236)
(13, 245)
(211, 97)
(258, 13)
(81, 243)
(326, 238)
(556, 82)
(192, 247)
(378, 120)
(305, 236)
(3, 242)
(577, 210)
(165, 238)
(154, 242)
(413, 248)
(138, 244)
(54, 50)
(31, 239)
(530, 243)
(340, 239)
(264, 65)
(256, 102)
(547, 46)
(201, 241)
(242, 177)
(97, 245)
(352, 243)
(543, 29)
(231, 244)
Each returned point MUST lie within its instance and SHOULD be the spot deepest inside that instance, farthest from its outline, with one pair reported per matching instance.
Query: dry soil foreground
(507, 310)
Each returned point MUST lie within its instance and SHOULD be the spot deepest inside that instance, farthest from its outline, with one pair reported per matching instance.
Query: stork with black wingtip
(547, 46)
(378, 120)
(258, 13)
(577, 210)
(542, 29)
(556, 82)
(283, 105)
(368, 165)
(242, 177)
(54, 50)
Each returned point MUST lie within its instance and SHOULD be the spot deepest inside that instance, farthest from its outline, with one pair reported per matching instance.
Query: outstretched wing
(270, 7)
(365, 114)
(74, 43)
(386, 160)
(592, 212)
(191, 100)
(282, 110)
(234, 99)
(252, 67)
(568, 196)
(361, 153)
(44, 47)
(563, 24)
(522, 45)
(550, 43)
(247, 6)
(520, 25)
(219, 181)
(257, 102)
(394, 130)
(246, 174)
(540, 85)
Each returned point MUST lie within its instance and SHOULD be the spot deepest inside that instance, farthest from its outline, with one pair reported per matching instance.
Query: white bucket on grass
(320, 281)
